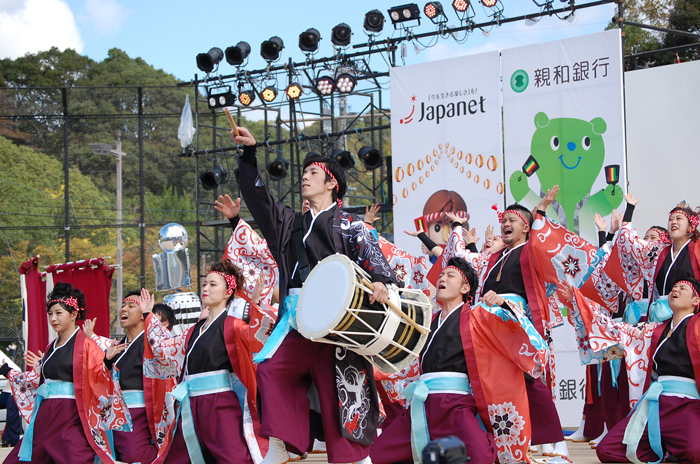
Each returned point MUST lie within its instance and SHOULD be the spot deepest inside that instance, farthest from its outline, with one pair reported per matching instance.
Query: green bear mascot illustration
(570, 153)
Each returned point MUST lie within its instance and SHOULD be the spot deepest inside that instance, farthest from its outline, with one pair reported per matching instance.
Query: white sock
(561, 449)
(319, 446)
(578, 434)
(547, 449)
(602, 435)
(366, 460)
(277, 454)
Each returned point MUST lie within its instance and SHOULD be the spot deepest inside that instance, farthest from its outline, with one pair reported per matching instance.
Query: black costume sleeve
(234, 222)
(109, 363)
(366, 250)
(629, 211)
(610, 237)
(472, 247)
(601, 238)
(5, 369)
(429, 244)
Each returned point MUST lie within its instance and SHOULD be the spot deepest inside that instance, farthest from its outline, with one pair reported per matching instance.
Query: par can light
(246, 97)
(374, 22)
(341, 35)
(294, 91)
(269, 94)
(325, 85)
(345, 83)
(308, 40)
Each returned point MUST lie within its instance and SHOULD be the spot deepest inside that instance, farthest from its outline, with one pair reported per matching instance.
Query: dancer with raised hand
(290, 363)
(68, 399)
(217, 419)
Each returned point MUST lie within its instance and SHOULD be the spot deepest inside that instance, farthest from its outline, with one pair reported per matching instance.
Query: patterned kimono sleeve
(409, 373)
(366, 248)
(457, 248)
(637, 260)
(258, 329)
(24, 386)
(102, 342)
(168, 352)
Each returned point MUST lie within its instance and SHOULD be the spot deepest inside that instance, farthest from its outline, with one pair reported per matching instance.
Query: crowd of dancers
(232, 390)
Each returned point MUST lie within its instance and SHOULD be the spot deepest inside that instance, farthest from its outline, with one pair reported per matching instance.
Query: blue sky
(169, 34)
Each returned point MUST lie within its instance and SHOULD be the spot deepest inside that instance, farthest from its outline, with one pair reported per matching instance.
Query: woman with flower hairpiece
(217, 420)
(69, 399)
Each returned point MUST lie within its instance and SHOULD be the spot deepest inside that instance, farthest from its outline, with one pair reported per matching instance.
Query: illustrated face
(570, 153)
(652, 235)
(130, 314)
(60, 319)
(513, 228)
(678, 226)
(214, 290)
(313, 182)
(439, 231)
(451, 284)
(682, 297)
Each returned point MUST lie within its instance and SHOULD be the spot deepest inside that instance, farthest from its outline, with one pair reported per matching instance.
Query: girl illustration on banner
(435, 222)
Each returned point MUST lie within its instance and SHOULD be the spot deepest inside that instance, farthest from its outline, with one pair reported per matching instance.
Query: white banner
(446, 146)
(564, 124)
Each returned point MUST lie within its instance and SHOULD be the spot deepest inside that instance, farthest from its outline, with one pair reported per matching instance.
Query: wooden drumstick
(397, 310)
(232, 122)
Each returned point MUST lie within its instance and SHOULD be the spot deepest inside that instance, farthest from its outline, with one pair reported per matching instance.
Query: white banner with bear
(563, 124)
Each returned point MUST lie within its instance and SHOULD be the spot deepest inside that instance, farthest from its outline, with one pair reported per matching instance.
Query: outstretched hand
(615, 221)
(632, 200)
(566, 292)
(469, 236)
(414, 233)
(548, 198)
(371, 213)
(146, 301)
(600, 223)
(89, 327)
(32, 359)
(114, 349)
(454, 218)
(259, 287)
(245, 137)
(226, 206)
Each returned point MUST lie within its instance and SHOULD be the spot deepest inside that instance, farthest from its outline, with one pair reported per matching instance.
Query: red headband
(230, 280)
(70, 301)
(695, 292)
(132, 299)
(663, 235)
(469, 297)
(692, 219)
(500, 215)
(337, 185)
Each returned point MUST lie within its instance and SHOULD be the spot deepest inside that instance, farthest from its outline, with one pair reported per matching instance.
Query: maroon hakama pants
(137, 445)
(447, 414)
(680, 422)
(546, 427)
(58, 435)
(218, 421)
(283, 383)
(610, 405)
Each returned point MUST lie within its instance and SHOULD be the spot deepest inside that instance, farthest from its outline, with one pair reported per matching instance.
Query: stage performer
(216, 394)
(69, 399)
(471, 373)
(663, 424)
(290, 363)
(674, 256)
(147, 399)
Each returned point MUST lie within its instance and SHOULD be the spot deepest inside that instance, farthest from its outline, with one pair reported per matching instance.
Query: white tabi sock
(578, 434)
(560, 449)
(547, 449)
(595, 441)
(366, 460)
(277, 454)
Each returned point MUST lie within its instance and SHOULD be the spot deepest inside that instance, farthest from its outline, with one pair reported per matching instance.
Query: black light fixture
(207, 61)
(236, 55)
(345, 83)
(341, 35)
(489, 3)
(212, 179)
(325, 85)
(309, 39)
(246, 97)
(374, 22)
(269, 94)
(404, 13)
(270, 49)
(277, 169)
(294, 91)
(435, 13)
(460, 6)
(219, 97)
(344, 158)
(370, 157)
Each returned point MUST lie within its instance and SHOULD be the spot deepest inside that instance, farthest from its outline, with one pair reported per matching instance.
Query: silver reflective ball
(173, 237)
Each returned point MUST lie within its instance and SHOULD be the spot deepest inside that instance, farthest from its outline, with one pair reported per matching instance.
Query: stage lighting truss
(236, 55)
(219, 97)
(434, 12)
(294, 91)
(341, 35)
(269, 94)
(403, 14)
(345, 83)
(206, 62)
(271, 49)
(325, 85)
(374, 22)
(246, 97)
(308, 40)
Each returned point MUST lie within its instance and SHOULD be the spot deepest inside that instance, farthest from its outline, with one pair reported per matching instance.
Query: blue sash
(201, 385)
(134, 398)
(417, 392)
(47, 390)
(659, 311)
(647, 412)
(282, 327)
(635, 310)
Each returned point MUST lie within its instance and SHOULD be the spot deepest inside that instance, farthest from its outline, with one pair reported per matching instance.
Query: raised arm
(165, 357)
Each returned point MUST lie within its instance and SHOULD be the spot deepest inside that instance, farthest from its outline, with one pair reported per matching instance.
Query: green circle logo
(519, 81)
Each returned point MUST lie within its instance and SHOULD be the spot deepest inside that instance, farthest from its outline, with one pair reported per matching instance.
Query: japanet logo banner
(563, 123)
(446, 146)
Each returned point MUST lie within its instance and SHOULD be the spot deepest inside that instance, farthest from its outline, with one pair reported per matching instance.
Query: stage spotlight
(277, 169)
(343, 158)
(212, 179)
(434, 12)
(374, 22)
(460, 6)
(218, 97)
(345, 83)
(341, 35)
(370, 157)
(403, 13)
(489, 3)
(269, 94)
(294, 91)
(207, 61)
(270, 49)
(246, 97)
(325, 85)
(235, 56)
(308, 40)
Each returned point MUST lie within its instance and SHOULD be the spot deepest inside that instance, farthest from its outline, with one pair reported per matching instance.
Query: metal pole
(142, 201)
(66, 179)
(120, 282)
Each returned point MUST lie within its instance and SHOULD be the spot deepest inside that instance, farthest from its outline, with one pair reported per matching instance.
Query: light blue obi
(417, 392)
(647, 412)
(51, 389)
(635, 310)
(283, 326)
(134, 398)
(659, 310)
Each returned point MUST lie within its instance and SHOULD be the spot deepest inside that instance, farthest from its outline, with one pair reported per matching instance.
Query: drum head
(325, 296)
